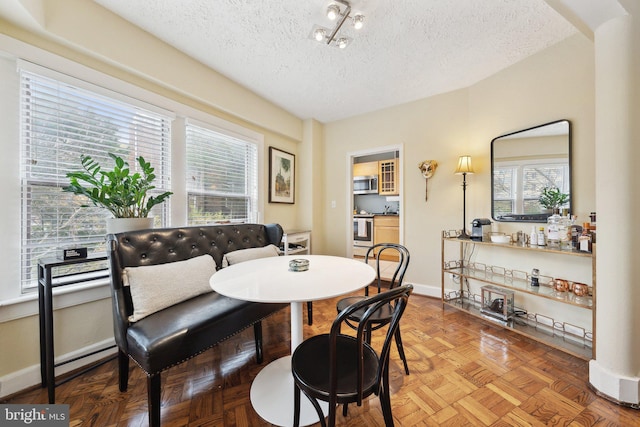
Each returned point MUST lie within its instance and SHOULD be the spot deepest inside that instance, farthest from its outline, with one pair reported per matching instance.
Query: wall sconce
(334, 13)
(428, 168)
(464, 167)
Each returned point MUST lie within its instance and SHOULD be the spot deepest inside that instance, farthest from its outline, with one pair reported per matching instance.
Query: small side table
(296, 242)
(46, 282)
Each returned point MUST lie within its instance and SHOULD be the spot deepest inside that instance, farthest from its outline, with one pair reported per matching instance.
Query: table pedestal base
(272, 396)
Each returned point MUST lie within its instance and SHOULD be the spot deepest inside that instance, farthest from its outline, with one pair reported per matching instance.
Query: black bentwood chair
(341, 369)
(383, 316)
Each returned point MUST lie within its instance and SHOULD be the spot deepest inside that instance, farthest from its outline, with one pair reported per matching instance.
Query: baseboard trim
(427, 290)
(18, 381)
(617, 388)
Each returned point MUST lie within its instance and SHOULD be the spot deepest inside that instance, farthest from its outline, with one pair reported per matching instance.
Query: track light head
(333, 11)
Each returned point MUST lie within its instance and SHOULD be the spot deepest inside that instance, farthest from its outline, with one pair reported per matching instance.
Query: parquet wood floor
(464, 371)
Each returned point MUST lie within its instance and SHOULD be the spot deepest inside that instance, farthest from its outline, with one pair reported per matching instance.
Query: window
(511, 195)
(504, 190)
(62, 118)
(222, 176)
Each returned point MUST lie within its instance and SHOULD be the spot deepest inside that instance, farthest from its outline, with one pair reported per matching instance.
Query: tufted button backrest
(162, 245)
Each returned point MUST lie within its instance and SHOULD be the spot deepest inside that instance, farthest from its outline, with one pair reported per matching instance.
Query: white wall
(432, 128)
(557, 83)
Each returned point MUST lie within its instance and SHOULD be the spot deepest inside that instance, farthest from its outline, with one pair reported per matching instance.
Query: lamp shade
(464, 165)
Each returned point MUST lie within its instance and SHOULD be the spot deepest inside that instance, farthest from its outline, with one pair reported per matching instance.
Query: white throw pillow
(155, 287)
(248, 254)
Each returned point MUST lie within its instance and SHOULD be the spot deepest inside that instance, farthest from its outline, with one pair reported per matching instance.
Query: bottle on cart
(592, 226)
(535, 274)
(584, 241)
(575, 231)
(553, 229)
(541, 237)
(533, 237)
(566, 222)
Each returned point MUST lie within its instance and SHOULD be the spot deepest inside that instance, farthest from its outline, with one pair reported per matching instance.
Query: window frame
(518, 200)
(46, 99)
(17, 305)
(245, 137)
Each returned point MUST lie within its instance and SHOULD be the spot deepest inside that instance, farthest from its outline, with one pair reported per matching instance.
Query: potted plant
(122, 192)
(552, 198)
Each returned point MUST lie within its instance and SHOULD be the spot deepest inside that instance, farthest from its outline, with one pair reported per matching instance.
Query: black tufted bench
(177, 333)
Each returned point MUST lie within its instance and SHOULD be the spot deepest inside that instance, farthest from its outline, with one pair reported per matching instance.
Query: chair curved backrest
(397, 296)
(375, 253)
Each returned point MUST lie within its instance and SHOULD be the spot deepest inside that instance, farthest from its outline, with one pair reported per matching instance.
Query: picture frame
(282, 173)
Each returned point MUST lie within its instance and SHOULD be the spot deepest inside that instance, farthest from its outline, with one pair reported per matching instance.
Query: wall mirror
(522, 164)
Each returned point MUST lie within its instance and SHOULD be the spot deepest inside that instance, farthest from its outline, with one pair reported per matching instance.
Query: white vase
(119, 225)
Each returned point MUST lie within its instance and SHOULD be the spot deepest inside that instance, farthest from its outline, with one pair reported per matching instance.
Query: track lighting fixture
(340, 15)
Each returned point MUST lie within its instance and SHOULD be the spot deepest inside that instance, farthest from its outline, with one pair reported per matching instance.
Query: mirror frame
(542, 218)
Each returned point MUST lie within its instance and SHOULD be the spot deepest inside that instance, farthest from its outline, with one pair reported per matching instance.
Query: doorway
(385, 203)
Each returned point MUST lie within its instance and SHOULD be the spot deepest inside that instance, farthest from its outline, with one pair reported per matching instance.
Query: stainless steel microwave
(365, 184)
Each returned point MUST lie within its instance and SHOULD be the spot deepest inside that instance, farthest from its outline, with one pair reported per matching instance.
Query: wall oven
(365, 184)
(363, 231)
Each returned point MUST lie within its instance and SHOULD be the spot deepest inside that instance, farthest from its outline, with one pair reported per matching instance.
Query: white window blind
(222, 177)
(517, 186)
(60, 121)
(504, 190)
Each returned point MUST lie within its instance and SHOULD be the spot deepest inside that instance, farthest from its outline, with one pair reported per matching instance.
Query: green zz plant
(552, 198)
(121, 192)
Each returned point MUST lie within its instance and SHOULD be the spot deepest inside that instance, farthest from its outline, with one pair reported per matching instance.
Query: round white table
(270, 280)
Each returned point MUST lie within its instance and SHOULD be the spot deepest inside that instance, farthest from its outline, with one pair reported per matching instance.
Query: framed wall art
(281, 176)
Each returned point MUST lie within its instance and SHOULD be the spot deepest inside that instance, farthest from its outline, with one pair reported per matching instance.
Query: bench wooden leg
(153, 399)
(123, 370)
(309, 313)
(257, 332)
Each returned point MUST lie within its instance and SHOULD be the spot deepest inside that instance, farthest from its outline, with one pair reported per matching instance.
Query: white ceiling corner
(407, 50)
(591, 13)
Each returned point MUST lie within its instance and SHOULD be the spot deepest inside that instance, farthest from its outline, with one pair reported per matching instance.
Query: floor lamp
(464, 167)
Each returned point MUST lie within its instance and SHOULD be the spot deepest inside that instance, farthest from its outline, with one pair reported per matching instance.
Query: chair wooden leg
(123, 370)
(332, 415)
(318, 409)
(296, 406)
(309, 313)
(385, 400)
(344, 409)
(153, 399)
(257, 332)
(401, 350)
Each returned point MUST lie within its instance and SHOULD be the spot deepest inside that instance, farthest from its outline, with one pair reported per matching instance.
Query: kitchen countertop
(371, 215)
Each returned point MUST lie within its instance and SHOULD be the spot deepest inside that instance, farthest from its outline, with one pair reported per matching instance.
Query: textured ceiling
(407, 50)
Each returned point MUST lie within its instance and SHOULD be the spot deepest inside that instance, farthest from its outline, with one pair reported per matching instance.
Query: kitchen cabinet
(386, 229)
(388, 177)
(296, 242)
(465, 285)
(365, 169)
